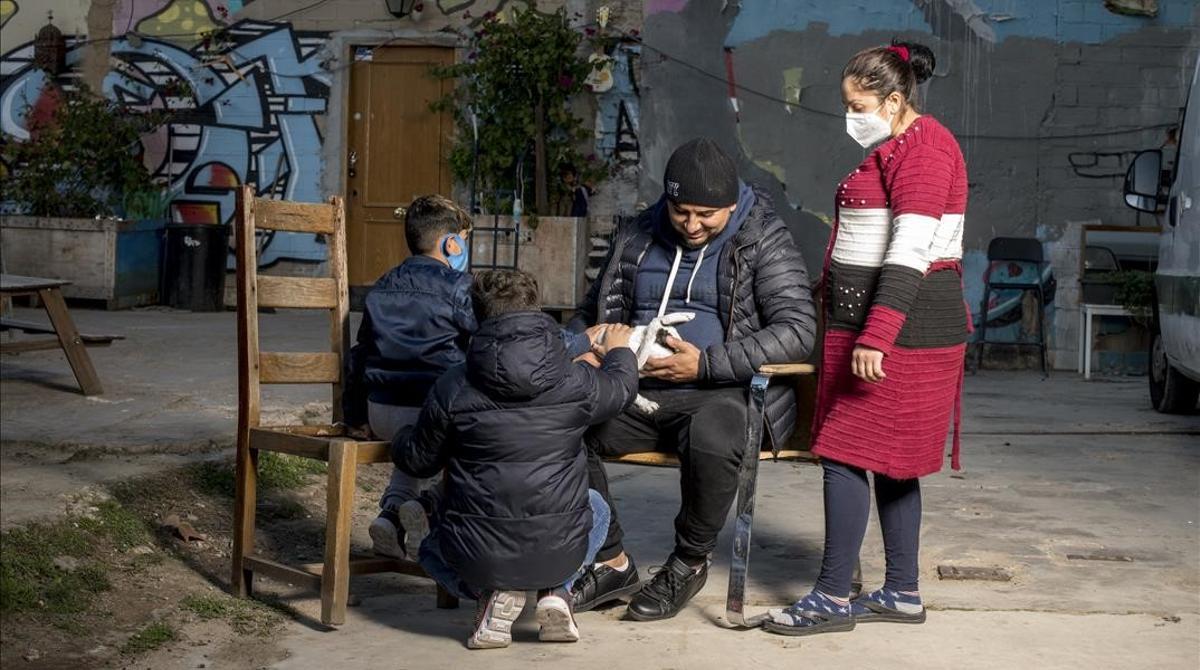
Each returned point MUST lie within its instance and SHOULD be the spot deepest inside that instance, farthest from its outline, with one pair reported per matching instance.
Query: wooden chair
(739, 568)
(327, 443)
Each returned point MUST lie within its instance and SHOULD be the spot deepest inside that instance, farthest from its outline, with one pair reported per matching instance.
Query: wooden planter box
(555, 252)
(113, 261)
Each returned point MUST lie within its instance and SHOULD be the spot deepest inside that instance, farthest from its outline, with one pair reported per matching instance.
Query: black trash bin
(194, 267)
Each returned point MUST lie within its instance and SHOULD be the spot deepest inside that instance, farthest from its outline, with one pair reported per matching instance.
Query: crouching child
(516, 514)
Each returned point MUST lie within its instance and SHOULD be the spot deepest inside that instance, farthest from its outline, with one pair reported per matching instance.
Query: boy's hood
(517, 356)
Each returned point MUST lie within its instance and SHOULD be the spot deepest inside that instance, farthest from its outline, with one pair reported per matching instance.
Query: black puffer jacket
(765, 302)
(508, 427)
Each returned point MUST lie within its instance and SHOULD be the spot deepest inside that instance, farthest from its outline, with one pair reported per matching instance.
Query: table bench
(49, 292)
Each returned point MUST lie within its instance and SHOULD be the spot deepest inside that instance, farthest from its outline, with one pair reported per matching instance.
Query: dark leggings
(847, 505)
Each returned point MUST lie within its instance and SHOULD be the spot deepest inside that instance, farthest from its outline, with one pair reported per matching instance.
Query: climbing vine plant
(515, 89)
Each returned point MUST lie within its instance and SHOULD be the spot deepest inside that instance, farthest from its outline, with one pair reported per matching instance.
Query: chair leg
(335, 576)
(739, 569)
(983, 319)
(244, 501)
(1041, 320)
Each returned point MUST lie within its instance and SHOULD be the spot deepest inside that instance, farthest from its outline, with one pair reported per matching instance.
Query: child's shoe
(415, 522)
(555, 618)
(494, 617)
(387, 534)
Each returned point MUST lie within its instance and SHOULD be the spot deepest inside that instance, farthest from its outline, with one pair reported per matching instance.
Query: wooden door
(397, 149)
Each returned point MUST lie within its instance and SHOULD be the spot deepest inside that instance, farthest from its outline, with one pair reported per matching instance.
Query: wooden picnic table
(49, 291)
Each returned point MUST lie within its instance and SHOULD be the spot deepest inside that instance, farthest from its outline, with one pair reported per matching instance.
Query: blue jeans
(430, 555)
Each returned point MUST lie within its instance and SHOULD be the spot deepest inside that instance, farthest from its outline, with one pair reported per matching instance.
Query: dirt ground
(183, 584)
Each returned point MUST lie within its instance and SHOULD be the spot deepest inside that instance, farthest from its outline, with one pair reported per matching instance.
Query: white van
(1175, 345)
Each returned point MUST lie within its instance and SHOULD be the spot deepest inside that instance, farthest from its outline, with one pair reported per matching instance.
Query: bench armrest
(787, 369)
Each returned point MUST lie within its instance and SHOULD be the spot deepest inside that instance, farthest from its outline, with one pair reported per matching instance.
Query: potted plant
(84, 207)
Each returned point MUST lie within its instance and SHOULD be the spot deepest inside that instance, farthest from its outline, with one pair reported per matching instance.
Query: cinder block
(1067, 95)
(1100, 53)
(1148, 55)
(1164, 76)
(1133, 96)
(1075, 117)
(1083, 33)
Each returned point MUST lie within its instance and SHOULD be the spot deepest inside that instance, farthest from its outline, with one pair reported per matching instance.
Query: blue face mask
(457, 261)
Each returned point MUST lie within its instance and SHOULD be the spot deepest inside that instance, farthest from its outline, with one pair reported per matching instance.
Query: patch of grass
(118, 524)
(207, 607)
(281, 471)
(275, 471)
(30, 580)
(246, 617)
(149, 638)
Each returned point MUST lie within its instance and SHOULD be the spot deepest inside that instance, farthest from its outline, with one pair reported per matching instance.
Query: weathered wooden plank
(372, 565)
(266, 439)
(298, 292)
(299, 368)
(339, 324)
(662, 459)
(21, 346)
(788, 369)
(373, 452)
(246, 473)
(296, 217)
(18, 284)
(280, 572)
(339, 506)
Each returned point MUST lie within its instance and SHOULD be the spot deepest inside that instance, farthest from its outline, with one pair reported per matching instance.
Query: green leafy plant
(1134, 290)
(515, 87)
(81, 160)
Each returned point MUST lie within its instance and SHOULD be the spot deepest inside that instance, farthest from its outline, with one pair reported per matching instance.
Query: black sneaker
(673, 586)
(600, 584)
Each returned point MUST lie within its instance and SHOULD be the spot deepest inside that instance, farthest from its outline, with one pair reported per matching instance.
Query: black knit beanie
(699, 173)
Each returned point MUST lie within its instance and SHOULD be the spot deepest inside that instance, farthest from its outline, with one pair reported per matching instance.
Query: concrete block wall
(1050, 99)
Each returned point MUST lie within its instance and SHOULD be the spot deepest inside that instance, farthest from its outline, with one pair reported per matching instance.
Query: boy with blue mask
(417, 323)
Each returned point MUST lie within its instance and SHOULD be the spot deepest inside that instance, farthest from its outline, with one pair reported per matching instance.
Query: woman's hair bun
(920, 57)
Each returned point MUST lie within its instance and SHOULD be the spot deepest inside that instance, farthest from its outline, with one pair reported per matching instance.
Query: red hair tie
(901, 51)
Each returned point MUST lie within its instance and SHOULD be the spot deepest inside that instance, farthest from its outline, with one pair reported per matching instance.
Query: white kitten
(650, 341)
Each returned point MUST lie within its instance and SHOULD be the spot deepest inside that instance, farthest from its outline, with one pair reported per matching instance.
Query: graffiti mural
(245, 113)
(7, 9)
(618, 110)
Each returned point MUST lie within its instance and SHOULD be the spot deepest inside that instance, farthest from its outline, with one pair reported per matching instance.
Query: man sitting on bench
(712, 245)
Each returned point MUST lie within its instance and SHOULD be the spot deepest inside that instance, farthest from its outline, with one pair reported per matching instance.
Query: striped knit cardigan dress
(893, 282)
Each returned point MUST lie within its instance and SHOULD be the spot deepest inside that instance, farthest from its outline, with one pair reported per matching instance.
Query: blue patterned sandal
(888, 606)
(814, 613)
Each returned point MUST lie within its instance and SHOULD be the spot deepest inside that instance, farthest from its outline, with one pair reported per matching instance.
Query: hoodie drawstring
(662, 305)
(695, 271)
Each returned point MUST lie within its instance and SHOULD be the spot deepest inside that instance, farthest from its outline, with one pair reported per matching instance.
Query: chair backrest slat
(1017, 249)
(295, 217)
(329, 293)
(323, 367)
(297, 292)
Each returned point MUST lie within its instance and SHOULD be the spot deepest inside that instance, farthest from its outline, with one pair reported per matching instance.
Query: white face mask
(867, 128)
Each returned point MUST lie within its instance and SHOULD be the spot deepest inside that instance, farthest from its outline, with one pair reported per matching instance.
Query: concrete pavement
(1078, 490)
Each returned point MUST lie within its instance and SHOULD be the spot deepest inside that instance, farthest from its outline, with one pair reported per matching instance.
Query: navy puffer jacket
(508, 429)
(764, 302)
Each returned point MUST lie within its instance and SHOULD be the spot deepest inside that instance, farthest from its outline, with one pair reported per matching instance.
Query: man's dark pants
(707, 428)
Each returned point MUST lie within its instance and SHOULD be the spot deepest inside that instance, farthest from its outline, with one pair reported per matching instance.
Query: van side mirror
(1143, 182)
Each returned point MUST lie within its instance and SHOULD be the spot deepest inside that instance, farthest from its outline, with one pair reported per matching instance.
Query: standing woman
(896, 330)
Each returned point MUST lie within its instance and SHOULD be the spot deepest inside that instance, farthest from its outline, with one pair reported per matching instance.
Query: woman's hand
(867, 364)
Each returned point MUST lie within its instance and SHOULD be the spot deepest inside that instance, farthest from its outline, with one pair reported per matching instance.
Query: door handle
(399, 212)
(351, 163)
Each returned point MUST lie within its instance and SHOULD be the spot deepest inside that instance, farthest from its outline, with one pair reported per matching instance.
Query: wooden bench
(748, 481)
(67, 337)
(328, 442)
